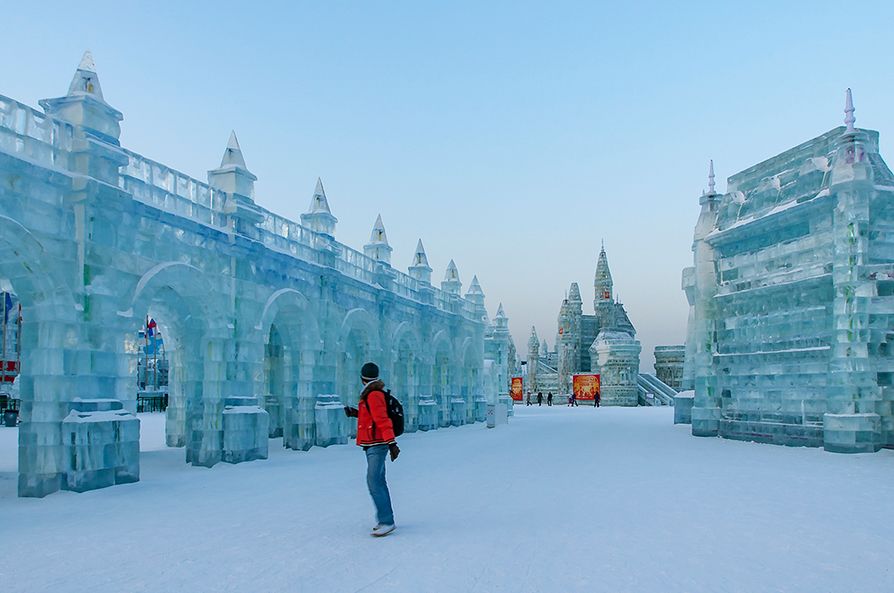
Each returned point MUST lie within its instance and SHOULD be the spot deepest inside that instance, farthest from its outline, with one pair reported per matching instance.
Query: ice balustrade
(286, 236)
(406, 286)
(170, 190)
(48, 141)
(33, 135)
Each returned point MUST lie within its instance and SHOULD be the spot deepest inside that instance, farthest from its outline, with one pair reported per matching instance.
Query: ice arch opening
(172, 294)
(276, 389)
(291, 341)
(469, 372)
(181, 333)
(441, 380)
(404, 377)
(359, 344)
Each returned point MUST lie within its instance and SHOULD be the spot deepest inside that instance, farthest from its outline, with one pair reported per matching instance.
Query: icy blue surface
(245, 428)
(331, 422)
(792, 299)
(95, 238)
(427, 413)
(101, 445)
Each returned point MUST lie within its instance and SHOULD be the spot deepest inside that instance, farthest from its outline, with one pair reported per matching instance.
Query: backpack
(395, 412)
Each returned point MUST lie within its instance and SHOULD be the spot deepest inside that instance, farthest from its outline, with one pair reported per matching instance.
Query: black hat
(369, 371)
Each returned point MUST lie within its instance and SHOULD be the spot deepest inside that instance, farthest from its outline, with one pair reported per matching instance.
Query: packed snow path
(615, 500)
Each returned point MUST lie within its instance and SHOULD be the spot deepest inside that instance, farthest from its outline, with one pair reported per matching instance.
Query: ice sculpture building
(266, 320)
(603, 343)
(792, 298)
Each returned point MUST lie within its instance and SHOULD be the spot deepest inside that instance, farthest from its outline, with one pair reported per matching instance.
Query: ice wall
(95, 237)
(792, 294)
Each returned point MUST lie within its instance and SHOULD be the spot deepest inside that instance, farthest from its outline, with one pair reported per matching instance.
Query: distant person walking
(573, 399)
(549, 398)
(375, 433)
(528, 402)
(539, 398)
(598, 398)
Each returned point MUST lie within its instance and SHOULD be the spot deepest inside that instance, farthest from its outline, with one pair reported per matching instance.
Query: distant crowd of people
(572, 399)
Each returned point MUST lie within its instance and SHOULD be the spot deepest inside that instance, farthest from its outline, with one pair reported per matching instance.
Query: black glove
(350, 412)
(394, 450)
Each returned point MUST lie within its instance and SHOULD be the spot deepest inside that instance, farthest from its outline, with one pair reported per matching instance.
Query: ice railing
(39, 138)
(33, 135)
(172, 191)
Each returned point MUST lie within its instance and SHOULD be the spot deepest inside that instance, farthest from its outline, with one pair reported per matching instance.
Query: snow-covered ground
(561, 500)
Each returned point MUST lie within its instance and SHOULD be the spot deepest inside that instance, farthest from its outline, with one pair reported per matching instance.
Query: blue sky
(509, 136)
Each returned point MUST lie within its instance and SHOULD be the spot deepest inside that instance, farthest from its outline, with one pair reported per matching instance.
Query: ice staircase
(547, 379)
(652, 391)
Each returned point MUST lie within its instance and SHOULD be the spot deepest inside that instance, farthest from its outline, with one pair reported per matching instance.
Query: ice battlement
(792, 159)
(797, 176)
(48, 141)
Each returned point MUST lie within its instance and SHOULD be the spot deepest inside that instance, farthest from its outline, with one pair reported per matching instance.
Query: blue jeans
(375, 480)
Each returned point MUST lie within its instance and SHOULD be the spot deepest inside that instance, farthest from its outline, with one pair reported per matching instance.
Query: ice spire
(378, 232)
(85, 81)
(235, 180)
(603, 280)
(419, 258)
(533, 341)
(318, 202)
(501, 322)
(87, 63)
(452, 272)
(233, 153)
(419, 269)
(475, 287)
(574, 293)
(849, 119)
(544, 347)
(85, 106)
(475, 294)
(451, 283)
(378, 247)
(711, 185)
(319, 217)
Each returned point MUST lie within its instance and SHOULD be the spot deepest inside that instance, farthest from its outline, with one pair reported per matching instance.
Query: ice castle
(603, 343)
(266, 320)
(792, 298)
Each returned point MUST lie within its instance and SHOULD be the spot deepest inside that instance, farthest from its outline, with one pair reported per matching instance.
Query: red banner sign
(586, 387)
(517, 390)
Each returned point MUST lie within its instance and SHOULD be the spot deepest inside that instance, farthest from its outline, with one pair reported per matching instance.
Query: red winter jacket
(373, 424)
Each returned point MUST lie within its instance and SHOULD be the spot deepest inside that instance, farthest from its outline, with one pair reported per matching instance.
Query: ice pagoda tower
(533, 361)
(792, 298)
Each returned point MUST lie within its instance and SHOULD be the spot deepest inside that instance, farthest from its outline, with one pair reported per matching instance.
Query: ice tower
(792, 298)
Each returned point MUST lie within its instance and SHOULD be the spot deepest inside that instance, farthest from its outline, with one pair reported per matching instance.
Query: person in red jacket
(375, 433)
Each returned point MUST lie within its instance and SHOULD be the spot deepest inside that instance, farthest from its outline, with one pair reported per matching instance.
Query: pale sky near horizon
(510, 136)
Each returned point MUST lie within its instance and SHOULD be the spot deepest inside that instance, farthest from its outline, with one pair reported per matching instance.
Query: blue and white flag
(7, 306)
